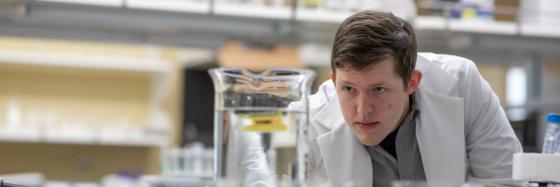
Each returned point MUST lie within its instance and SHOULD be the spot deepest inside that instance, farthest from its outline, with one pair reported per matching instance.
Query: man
(390, 114)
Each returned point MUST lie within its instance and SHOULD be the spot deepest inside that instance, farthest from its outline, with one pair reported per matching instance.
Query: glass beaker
(259, 136)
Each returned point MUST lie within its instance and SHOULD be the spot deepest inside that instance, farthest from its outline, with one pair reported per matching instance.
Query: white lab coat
(462, 131)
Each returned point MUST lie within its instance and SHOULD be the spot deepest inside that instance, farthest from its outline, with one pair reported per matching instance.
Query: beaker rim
(300, 71)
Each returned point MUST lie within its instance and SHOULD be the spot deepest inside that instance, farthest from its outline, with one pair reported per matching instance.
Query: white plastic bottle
(551, 144)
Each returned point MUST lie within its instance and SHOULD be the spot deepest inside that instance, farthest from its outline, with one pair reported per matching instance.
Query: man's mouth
(367, 125)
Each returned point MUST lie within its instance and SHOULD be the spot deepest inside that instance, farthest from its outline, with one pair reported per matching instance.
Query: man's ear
(414, 81)
(332, 76)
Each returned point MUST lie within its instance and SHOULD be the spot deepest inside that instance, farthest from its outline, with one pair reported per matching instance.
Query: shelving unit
(40, 64)
(212, 23)
(202, 7)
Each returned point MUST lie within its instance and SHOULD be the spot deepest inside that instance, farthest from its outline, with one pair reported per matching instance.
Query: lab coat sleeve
(490, 140)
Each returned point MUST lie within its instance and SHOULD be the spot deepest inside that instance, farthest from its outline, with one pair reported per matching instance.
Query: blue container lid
(553, 118)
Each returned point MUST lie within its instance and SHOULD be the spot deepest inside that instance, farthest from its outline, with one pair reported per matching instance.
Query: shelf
(10, 135)
(155, 180)
(81, 61)
(486, 27)
(473, 26)
(85, 136)
(111, 3)
(257, 11)
(69, 135)
(429, 22)
(132, 137)
(322, 15)
(171, 5)
(539, 30)
(483, 26)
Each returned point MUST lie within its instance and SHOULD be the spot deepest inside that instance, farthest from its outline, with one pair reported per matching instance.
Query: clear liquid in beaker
(258, 144)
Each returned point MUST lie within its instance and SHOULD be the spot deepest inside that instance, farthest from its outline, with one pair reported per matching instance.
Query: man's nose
(364, 105)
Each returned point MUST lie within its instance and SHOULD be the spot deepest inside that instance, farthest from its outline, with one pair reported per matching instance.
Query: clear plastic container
(551, 143)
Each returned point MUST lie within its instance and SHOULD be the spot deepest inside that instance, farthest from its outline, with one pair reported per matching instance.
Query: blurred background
(116, 92)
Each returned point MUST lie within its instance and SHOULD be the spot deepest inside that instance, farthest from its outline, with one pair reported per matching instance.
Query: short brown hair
(368, 37)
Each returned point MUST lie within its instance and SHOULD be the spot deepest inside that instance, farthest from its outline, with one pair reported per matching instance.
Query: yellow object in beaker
(265, 123)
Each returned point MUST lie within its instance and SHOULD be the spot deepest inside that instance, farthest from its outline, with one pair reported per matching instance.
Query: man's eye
(347, 89)
(379, 89)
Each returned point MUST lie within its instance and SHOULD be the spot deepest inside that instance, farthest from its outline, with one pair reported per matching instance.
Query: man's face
(374, 100)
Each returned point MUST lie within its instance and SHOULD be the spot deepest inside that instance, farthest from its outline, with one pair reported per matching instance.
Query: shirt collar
(413, 110)
(412, 113)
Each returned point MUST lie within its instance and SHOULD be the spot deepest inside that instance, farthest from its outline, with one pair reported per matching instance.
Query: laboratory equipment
(541, 168)
(551, 144)
(260, 125)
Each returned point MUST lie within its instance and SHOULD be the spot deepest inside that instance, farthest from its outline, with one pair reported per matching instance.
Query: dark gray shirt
(408, 162)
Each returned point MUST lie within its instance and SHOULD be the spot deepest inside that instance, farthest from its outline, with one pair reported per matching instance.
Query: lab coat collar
(345, 158)
(439, 80)
(330, 116)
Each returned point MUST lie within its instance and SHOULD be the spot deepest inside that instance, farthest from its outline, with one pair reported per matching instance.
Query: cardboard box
(506, 10)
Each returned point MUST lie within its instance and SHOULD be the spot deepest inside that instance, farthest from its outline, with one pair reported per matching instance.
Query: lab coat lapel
(345, 158)
(433, 77)
(330, 115)
(441, 137)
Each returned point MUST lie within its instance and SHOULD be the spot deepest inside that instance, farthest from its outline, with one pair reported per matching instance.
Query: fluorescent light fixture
(516, 86)
(112, 3)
